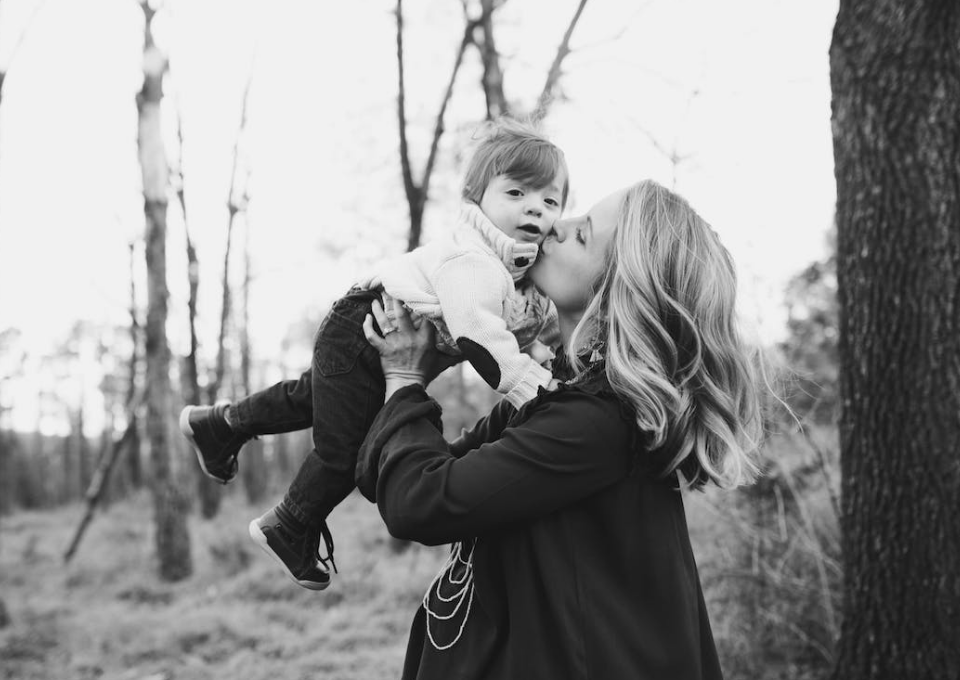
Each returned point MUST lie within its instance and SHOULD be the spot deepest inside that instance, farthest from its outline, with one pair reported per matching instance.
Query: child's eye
(515, 192)
(552, 202)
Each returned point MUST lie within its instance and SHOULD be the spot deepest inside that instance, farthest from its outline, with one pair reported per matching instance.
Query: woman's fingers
(400, 314)
(372, 337)
(381, 316)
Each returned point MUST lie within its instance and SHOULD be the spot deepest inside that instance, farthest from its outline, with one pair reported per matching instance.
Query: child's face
(521, 212)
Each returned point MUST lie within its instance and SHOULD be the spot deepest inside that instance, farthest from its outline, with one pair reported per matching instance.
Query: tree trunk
(172, 538)
(69, 487)
(492, 78)
(209, 491)
(133, 456)
(84, 464)
(7, 442)
(895, 73)
(220, 367)
(254, 471)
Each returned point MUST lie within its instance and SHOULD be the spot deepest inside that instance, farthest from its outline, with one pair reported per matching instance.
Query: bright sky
(738, 89)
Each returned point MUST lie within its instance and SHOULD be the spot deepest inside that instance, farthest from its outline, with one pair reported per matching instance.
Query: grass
(106, 615)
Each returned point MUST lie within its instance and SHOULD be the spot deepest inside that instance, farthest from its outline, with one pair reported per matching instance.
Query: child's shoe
(216, 444)
(297, 552)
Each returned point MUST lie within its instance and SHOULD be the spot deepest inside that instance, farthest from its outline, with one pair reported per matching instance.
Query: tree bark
(895, 74)
(172, 538)
(492, 78)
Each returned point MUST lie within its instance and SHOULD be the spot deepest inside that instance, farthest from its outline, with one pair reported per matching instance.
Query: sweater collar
(517, 257)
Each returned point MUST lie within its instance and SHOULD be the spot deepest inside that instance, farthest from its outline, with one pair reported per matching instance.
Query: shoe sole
(261, 540)
(187, 432)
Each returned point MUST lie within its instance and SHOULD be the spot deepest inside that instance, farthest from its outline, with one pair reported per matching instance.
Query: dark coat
(582, 563)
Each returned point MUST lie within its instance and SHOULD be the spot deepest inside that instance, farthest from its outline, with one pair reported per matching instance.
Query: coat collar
(516, 257)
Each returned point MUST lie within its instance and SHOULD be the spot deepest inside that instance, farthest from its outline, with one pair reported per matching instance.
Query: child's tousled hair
(664, 308)
(517, 149)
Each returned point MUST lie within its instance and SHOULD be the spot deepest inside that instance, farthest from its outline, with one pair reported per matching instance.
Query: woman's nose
(558, 231)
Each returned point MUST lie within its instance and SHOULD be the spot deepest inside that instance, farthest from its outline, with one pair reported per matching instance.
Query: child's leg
(284, 407)
(348, 390)
(218, 432)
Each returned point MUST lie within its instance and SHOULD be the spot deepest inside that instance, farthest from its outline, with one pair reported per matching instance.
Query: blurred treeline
(46, 470)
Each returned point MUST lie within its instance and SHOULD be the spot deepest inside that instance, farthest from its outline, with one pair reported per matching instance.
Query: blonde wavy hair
(664, 310)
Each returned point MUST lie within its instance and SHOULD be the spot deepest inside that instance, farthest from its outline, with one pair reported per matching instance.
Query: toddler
(471, 285)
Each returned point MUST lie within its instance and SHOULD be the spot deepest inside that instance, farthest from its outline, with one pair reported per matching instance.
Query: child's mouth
(531, 229)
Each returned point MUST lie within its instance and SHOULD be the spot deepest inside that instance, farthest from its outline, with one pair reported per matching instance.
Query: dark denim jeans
(339, 396)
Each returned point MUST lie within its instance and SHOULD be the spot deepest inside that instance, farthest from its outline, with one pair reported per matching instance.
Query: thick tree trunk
(895, 73)
(172, 538)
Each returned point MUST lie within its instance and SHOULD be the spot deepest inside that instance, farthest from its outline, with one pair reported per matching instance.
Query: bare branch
(236, 203)
(408, 185)
(16, 45)
(553, 76)
(439, 127)
(417, 195)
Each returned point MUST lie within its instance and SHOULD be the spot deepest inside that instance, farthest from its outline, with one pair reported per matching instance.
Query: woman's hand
(408, 353)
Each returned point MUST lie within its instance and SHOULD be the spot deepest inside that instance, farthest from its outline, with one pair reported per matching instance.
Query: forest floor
(107, 614)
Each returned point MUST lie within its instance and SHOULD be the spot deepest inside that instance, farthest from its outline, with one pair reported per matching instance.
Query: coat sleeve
(471, 291)
(568, 447)
(487, 429)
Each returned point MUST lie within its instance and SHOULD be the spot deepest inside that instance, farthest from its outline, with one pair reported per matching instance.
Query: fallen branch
(99, 482)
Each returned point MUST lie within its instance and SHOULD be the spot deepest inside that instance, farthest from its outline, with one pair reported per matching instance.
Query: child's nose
(534, 210)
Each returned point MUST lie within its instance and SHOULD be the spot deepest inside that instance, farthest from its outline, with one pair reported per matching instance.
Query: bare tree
(134, 461)
(209, 492)
(254, 472)
(417, 193)
(236, 205)
(896, 130)
(172, 538)
(492, 78)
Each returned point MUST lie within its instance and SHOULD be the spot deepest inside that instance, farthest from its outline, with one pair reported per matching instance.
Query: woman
(571, 556)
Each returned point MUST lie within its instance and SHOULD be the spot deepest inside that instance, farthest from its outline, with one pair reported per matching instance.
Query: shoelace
(231, 464)
(328, 544)
(463, 585)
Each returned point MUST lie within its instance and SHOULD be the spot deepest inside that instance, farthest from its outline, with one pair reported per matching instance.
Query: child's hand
(369, 282)
(553, 385)
(539, 352)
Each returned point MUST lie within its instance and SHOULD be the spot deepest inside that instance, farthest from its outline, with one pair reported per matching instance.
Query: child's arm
(471, 290)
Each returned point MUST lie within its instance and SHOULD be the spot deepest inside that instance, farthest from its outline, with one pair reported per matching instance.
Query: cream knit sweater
(471, 286)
